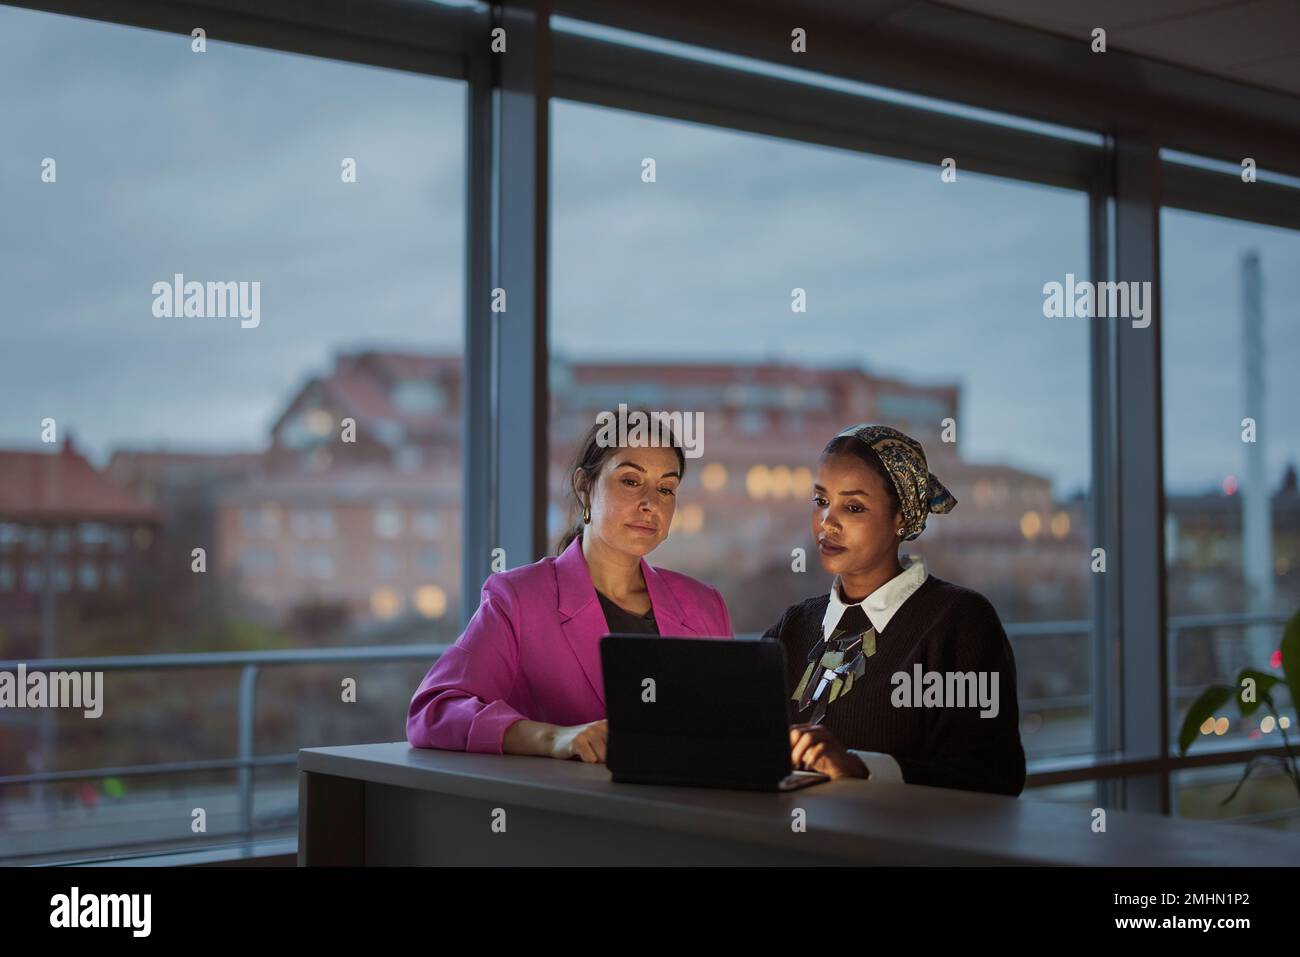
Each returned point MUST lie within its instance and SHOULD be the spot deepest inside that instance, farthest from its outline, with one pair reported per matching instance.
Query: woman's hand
(586, 741)
(813, 748)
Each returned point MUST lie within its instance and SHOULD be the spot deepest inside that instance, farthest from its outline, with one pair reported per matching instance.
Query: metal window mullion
(478, 525)
(1138, 568)
(1225, 194)
(605, 74)
(1105, 610)
(506, 395)
(423, 38)
(520, 186)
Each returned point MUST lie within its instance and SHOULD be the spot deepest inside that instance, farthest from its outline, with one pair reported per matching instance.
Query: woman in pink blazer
(525, 676)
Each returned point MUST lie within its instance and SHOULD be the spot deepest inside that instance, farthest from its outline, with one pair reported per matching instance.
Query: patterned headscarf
(919, 492)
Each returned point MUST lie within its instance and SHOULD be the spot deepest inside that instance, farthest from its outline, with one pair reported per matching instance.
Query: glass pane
(1267, 799)
(924, 302)
(296, 416)
(1231, 345)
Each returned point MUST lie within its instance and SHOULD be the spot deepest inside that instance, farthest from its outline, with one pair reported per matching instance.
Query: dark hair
(590, 459)
(851, 445)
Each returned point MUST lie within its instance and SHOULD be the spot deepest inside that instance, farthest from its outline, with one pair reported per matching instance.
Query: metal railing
(250, 664)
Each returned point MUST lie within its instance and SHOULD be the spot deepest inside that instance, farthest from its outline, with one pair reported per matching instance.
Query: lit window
(689, 518)
(431, 601)
(385, 602)
(780, 483)
(714, 476)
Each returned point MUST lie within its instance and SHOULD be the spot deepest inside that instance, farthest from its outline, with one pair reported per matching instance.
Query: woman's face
(633, 499)
(853, 524)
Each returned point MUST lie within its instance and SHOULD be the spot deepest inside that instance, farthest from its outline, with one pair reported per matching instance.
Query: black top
(944, 628)
(623, 622)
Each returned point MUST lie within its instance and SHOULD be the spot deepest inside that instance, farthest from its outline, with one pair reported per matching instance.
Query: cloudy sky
(225, 166)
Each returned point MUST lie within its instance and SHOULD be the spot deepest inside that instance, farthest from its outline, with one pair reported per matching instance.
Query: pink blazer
(532, 650)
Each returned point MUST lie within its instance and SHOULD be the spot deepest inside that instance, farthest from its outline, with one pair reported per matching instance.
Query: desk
(394, 804)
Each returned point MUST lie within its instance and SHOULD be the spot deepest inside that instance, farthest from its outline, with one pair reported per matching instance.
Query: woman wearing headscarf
(895, 674)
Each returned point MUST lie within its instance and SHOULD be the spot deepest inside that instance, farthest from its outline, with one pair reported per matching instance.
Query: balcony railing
(250, 664)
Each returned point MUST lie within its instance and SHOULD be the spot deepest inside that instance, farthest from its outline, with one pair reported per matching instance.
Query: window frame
(943, 53)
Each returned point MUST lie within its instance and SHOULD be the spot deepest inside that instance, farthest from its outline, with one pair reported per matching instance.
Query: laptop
(699, 712)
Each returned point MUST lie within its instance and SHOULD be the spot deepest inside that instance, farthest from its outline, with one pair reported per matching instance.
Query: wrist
(547, 739)
(530, 737)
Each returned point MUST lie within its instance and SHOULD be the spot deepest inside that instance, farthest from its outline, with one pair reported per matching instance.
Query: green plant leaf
(1211, 700)
(1263, 685)
(1291, 659)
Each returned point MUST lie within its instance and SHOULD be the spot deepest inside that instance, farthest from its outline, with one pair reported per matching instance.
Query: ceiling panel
(1255, 41)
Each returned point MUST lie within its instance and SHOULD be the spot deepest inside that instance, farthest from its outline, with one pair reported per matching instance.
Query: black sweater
(946, 629)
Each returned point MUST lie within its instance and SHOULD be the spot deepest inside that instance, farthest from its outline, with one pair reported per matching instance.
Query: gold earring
(586, 515)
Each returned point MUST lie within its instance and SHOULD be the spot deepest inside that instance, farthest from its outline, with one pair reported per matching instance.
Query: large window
(924, 308)
(235, 376)
(297, 418)
(1231, 346)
